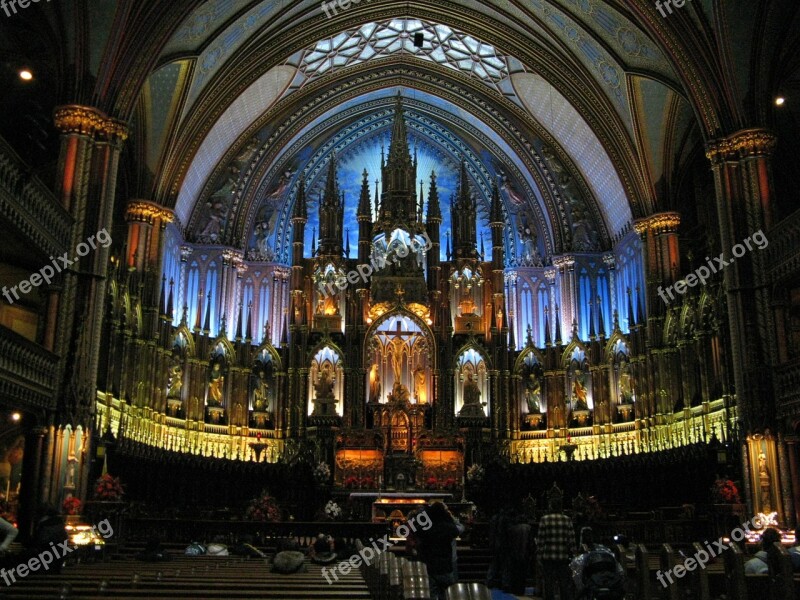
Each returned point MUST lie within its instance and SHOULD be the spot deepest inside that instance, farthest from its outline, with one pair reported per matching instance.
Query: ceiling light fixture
(25, 75)
(779, 101)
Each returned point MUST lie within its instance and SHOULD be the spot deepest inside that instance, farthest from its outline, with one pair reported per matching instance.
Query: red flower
(72, 505)
(263, 508)
(108, 488)
(431, 483)
(351, 481)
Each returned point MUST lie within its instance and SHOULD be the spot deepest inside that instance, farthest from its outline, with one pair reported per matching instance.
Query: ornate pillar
(741, 165)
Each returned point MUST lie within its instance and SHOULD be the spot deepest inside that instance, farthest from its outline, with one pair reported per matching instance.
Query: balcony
(787, 389)
(27, 372)
(30, 207)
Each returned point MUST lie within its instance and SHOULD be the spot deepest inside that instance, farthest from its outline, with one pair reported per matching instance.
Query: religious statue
(374, 384)
(324, 401)
(238, 414)
(175, 382)
(195, 412)
(533, 395)
(472, 395)
(215, 382)
(419, 385)
(764, 482)
(324, 385)
(397, 359)
(261, 392)
(473, 407)
(579, 392)
(625, 388)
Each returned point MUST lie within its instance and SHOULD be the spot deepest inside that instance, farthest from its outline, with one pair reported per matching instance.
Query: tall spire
(364, 205)
(434, 210)
(398, 150)
(496, 210)
(331, 215)
(464, 216)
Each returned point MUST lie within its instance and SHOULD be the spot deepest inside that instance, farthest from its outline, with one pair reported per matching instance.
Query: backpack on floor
(602, 579)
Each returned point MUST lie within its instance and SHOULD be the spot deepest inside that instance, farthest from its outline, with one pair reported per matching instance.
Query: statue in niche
(625, 386)
(195, 412)
(238, 414)
(472, 395)
(374, 384)
(397, 359)
(175, 382)
(530, 251)
(216, 380)
(419, 385)
(213, 228)
(261, 392)
(764, 483)
(399, 393)
(473, 407)
(579, 392)
(533, 394)
(324, 385)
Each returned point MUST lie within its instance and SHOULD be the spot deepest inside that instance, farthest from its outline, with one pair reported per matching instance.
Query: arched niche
(326, 380)
(399, 359)
(471, 384)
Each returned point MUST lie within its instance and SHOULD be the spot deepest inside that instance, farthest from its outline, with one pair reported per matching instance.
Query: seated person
(759, 564)
(321, 551)
(49, 529)
(794, 551)
(153, 552)
(597, 569)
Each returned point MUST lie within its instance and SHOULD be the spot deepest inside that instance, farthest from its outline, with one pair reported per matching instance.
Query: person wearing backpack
(597, 573)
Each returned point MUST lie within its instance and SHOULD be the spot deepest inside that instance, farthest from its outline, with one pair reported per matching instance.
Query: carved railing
(27, 371)
(31, 207)
(146, 426)
(783, 252)
(787, 388)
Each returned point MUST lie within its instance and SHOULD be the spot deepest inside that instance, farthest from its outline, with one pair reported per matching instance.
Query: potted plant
(264, 508)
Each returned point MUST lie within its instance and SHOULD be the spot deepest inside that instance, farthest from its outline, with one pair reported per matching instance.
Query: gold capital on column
(666, 222)
(83, 120)
(147, 212)
(754, 142)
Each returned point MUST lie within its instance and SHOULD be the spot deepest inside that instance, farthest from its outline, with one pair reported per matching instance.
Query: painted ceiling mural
(563, 187)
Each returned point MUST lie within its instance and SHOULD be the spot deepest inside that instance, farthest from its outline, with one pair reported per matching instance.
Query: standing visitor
(555, 544)
(435, 548)
(6, 526)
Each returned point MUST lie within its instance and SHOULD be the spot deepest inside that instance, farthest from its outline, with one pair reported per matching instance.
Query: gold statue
(374, 384)
(419, 385)
(261, 392)
(215, 384)
(579, 393)
(764, 484)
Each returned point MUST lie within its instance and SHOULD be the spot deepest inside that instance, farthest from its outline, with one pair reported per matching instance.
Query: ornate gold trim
(742, 144)
(147, 212)
(666, 222)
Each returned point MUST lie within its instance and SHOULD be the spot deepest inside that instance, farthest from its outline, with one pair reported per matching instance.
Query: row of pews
(200, 577)
(394, 577)
(722, 576)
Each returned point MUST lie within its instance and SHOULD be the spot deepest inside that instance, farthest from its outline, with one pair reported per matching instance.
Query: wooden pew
(735, 586)
(468, 591)
(642, 572)
(668, 561)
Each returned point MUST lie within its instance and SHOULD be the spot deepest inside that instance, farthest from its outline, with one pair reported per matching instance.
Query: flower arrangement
(108, 488)
(71, 505)
(431, 483)
(475, 473)
(322, 473)
(263, 508)
(351, 482)
(725, 491)
(450, 483)
(367, 482)
(332, 510)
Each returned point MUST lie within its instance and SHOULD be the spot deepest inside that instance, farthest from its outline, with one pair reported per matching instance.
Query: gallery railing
(27, 371)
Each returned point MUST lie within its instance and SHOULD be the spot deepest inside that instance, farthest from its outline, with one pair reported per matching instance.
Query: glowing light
(25, 75)
(780, 101)
(16, 417)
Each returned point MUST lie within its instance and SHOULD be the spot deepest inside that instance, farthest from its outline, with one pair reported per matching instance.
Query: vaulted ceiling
(583, 111)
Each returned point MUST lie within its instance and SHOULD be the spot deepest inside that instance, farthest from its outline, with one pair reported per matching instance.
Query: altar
(394, 507)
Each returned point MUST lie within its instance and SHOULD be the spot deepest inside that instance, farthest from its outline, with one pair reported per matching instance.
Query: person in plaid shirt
(555, 545)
